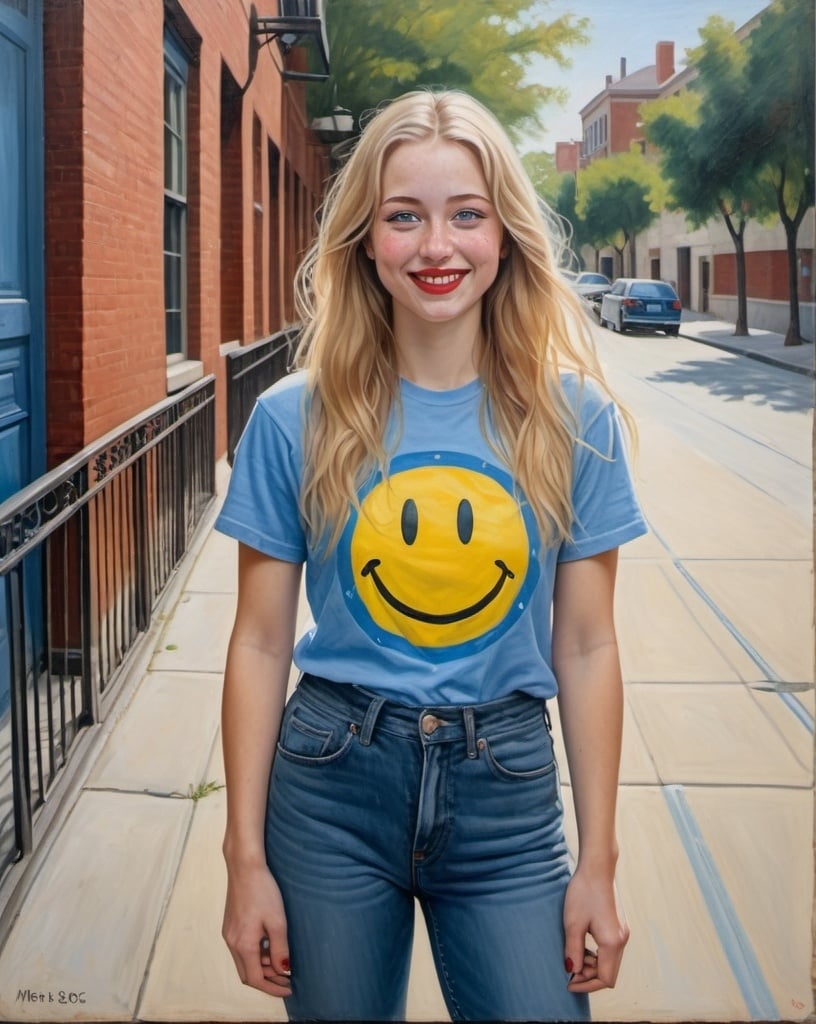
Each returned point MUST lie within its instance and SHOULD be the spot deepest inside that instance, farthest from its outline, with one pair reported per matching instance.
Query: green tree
(781, 105)
(705, 135)
(541, 170)
(575, 226)
(619, 197)
(380, 49)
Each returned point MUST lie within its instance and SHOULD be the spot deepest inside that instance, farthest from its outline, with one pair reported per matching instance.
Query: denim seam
(442, 968)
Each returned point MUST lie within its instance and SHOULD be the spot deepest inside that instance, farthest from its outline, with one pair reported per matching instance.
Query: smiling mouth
(370, 569)
(438, 282)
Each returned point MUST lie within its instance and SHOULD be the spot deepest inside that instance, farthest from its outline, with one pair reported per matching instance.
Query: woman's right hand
(254, 929)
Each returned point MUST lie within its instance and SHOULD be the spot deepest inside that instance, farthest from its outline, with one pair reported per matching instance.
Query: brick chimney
(664, 59)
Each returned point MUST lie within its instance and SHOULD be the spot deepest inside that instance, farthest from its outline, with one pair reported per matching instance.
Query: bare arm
(258, 664)
(590, 700)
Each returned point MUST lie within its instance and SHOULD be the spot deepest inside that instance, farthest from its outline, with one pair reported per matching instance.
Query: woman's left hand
(591, 908)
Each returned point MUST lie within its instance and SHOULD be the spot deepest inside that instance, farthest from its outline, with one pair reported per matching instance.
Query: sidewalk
(765, 346)
(123, 920)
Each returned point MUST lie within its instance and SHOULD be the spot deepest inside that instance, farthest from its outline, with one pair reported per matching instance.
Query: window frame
(175, 200)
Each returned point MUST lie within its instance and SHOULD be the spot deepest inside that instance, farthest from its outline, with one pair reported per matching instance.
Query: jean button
(429, 724)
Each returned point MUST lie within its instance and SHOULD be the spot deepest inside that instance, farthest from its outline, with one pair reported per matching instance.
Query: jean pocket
(524, 753)
(309, 737)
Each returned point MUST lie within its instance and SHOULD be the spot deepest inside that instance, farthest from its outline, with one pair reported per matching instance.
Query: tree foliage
(705, 136)
(781, 109)
(617, 198)
(545, 178)
(380, 49)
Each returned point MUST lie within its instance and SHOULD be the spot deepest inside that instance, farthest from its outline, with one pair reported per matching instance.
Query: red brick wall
(104, 204)
(766, 273)
(62, 50)
(623, 117)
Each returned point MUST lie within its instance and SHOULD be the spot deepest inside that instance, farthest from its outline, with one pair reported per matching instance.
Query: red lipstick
(435, 281)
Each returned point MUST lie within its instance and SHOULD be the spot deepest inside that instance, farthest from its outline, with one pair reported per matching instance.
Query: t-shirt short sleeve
(261, 506)
(606, 509)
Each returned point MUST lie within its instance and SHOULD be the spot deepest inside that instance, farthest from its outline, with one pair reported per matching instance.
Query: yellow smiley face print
(440, 555)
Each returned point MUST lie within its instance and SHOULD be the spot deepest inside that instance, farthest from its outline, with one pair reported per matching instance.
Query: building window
(175, 199)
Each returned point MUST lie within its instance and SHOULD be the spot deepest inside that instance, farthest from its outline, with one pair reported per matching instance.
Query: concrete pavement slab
(195, 638)
(771, 604)
(642, 548)
(760, 841)
(784, 714)
(192, 976)
(667, 632)
(764, 346)
(715, 734)
(174, 717)
(674, 968)
(701, 508)
(216, 568)
(80, 950)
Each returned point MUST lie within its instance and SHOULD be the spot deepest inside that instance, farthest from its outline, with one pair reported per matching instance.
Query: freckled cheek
(391, 249)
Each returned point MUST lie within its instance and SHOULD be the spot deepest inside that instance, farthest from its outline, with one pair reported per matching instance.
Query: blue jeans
(373, 805)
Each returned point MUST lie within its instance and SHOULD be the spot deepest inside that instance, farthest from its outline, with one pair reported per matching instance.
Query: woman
(450, 469)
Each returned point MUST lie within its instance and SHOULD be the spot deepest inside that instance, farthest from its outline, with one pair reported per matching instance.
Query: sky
(625, 28)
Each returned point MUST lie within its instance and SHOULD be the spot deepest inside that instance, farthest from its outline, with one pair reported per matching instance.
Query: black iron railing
(250, 371)
(85, 553)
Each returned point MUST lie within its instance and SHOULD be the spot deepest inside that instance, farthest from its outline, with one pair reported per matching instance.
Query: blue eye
(402, 217)
(469, 215)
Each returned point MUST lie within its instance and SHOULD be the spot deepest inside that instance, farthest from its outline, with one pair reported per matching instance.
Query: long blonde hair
(534, 326)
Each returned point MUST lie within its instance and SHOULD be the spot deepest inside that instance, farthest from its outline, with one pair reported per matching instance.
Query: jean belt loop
(470, 731)
(547, 719)
(370, 720)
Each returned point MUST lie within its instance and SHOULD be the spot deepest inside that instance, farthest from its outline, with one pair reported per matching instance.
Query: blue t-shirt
(439, 590)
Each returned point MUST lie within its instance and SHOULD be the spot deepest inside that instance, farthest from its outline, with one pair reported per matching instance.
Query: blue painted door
(22, 375)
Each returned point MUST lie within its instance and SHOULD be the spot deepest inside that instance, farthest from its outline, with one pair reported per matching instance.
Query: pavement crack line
(799, 711)
(734, 939)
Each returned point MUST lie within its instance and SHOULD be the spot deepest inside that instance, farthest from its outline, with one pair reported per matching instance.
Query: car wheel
(673, 332)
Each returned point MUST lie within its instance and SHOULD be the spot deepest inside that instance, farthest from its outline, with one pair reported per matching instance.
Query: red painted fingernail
(569, 965)
(285, 964)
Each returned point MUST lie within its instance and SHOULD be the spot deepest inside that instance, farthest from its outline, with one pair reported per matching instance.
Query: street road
(752, 419)
(715, 611)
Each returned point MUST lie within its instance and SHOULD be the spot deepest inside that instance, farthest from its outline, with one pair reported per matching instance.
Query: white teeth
(446, 279)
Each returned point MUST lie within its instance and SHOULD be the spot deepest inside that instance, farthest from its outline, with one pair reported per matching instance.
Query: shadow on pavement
(735, 379)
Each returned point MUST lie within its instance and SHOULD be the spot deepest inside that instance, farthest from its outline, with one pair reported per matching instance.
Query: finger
(574, 951)
(257, 969)
(589, 967)
(609, 964)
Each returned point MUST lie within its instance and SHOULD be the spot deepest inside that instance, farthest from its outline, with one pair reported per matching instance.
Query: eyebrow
(451, 199)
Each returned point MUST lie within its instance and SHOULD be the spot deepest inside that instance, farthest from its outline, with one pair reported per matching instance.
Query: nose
(436, 244)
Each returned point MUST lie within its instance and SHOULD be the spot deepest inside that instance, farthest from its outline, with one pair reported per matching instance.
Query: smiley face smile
(445, 619)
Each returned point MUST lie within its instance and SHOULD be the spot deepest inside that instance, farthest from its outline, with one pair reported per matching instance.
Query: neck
(439, 357)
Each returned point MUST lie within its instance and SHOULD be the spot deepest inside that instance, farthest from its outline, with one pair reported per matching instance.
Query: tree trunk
(738, 238)
(793, 335)
(633, 255)
(741, 327)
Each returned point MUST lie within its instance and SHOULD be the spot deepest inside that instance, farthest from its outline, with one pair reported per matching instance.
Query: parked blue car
(639, 304)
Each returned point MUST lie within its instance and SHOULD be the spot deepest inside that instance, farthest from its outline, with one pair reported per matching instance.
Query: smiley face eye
(409, 521)
(464, 521)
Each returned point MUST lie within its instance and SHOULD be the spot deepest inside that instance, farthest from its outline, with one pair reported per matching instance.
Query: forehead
(431, 162)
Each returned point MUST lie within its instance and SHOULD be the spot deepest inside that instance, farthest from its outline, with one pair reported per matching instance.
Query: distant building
(611, 120)
(700, 262)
